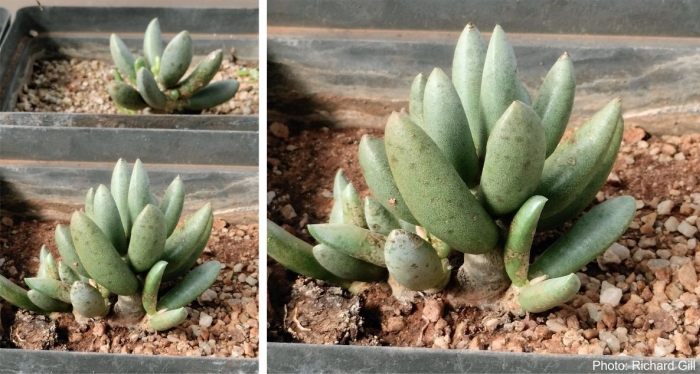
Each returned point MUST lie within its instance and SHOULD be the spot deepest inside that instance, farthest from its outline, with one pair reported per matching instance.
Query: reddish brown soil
(234, 328)
(302, 162)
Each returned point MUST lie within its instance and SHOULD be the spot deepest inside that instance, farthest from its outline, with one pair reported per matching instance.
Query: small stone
(610, 340)
(665, 207)
(687, 229)
(610, 295)
(556, 326)
(279, 130)
(208, 295)
(687, 276)
(288, 211)
(595, 312)
(395, 324)
(491, 324)
(646, 242)
(433, 310)
(657, 263)
(663, 347)
(668, 149)
(682, 344)
(205, 320)
(7, 221)
(671, 224)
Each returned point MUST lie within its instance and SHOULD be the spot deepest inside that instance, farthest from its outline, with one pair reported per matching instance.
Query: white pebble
(237, 268)
(671, 224)
(687, 229)
(251, 281)
(208, 295)
(691, 243)
(556, 326)
(270, 195)
(664, 207)
(679, 156)
(611, 340)
(205, 320)
(594, 311)
(639, 204)
(610, 294)
(663, 347)
(620, 250)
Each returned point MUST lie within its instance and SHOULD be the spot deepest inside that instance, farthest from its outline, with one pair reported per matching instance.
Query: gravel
(80, 86)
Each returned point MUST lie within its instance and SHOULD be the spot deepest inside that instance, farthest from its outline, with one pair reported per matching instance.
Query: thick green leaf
(446, 124)
(201, 75)
(172, 203)
(125, 95)
(545, 295)
(88, 301)
(213, 95)
(176, 59)
(119, 188)
(106, 216)
(64, 242)
(347, 267)
(149, 90)
(354, 241)
(516, 253)
(514, 160)
(353, 211)
(17, 295)
(191, 286)
(413, 262)
(151, 285)
(467, 69)
(555, 100)
(590, 236)
(500, 85)
(588, 194)
(434, 191)
(100, 259)
(122, 57)
(168, 319)
(139, 190)
(297, 255)
(148, 237)
(377, 173)
(152, 42)
(572, 165)
(415, 101)
(378, 218)
(47, 303)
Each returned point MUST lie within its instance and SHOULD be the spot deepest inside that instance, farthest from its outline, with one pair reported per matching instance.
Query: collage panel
(129, 153)
(470, 186)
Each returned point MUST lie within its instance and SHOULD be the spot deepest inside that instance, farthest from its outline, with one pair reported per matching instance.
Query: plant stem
(129, 308)
(480, 281)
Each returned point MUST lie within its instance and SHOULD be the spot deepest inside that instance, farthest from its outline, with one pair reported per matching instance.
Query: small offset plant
(474, 167)
(124, 243)
(155, 80)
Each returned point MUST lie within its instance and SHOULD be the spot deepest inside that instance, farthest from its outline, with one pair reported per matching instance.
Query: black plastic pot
(4, 23)
(20, 361)
(217, 156)
(83, 32)
(311, 359)
(364, 54)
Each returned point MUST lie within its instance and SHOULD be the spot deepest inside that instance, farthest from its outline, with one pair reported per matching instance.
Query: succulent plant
(155, 80)
(124, 243)
(477, 168)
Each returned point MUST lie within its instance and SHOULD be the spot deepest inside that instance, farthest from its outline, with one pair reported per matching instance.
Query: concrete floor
(13, 5)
